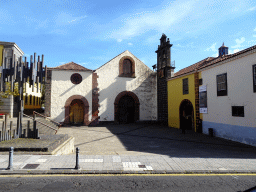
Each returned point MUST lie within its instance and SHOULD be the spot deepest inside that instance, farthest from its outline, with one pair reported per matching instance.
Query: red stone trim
(121, 66)
(86, 108)
(136, 100)
(95, 99)
(197, 101)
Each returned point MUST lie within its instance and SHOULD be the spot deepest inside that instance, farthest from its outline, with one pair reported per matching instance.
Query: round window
(76, 78)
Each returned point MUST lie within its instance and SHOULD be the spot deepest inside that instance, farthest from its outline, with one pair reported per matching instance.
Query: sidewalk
(124, 164)
(139, 149)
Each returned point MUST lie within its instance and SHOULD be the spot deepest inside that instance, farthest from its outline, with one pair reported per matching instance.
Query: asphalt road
(127, 183)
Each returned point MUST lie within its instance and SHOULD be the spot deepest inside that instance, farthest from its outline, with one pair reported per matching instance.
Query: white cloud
(130, 44)
(215, 55)
(63, 18)
(178, 17)
(239, 42)
(212, 48)
(140, 23)
(236, 50)
(84, 64)
(119, 40)
(254, 29)
(252, 8)
(254, 35)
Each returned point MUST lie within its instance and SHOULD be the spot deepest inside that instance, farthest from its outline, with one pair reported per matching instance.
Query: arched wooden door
(186, 115)
(76, 112)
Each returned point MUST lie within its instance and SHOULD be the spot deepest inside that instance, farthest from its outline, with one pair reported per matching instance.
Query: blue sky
(91, 33)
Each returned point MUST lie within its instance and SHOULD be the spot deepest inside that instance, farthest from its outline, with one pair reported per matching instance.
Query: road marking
(127, 175)
(41, 160)
(91, 160)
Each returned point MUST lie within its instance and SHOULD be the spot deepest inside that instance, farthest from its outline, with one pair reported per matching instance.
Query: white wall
(110, 85)
(240, 92)
(62, 88)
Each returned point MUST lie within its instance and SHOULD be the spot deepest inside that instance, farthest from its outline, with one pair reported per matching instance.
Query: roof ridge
(225, 57)
(70, 66)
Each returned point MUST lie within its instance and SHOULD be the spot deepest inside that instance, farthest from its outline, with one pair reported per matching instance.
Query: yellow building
(183, 98)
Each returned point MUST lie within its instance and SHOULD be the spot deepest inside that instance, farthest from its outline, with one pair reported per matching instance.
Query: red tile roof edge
(220, 59)
(71, 66)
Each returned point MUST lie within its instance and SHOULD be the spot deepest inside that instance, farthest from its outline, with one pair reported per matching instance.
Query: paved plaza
(140, 148)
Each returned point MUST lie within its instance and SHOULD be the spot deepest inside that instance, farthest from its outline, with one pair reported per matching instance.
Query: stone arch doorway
(76, 110)
(186, 115)
(126, 107)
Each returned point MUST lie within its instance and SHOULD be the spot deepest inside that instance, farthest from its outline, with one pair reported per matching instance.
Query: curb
(118, 172)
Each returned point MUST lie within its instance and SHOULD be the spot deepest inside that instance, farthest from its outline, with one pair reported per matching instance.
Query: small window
(185, 86)
(76, 78)
(126, 67)
(254, 77)
(238, 111)
(200, 81)
(222, 85)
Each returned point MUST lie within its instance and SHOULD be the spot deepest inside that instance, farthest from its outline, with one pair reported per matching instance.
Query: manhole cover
(31, 166)
(142, 166)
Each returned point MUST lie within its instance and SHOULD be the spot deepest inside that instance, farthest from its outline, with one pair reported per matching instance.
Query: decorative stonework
(95, 99)
(163, 68)
(197, 102)
(85, 105)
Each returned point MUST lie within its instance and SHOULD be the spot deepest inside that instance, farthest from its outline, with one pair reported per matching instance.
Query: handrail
(47, 118)
(28, 116)
(42, 123)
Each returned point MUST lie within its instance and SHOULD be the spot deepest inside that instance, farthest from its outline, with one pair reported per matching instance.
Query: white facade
(109, 85)
(143, 86)
(239, 93)
(62, 88)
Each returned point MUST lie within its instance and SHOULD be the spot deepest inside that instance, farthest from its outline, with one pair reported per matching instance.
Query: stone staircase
(46, 126)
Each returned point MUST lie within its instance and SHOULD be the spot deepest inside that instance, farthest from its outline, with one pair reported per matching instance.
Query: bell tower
(164, 70)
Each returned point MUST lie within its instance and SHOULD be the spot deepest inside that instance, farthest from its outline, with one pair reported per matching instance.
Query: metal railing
(37, 121)
(54, 122)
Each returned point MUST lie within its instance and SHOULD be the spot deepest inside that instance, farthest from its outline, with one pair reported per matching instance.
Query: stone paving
(122, 163)
(140, 148)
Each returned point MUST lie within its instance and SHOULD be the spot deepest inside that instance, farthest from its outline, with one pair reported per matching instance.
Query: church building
(122, 90)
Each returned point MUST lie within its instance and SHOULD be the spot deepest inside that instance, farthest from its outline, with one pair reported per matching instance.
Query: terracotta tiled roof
(225, 57)
(72, 66)
(193, 67)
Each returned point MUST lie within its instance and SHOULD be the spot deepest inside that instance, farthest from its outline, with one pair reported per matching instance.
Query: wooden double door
(76, 112)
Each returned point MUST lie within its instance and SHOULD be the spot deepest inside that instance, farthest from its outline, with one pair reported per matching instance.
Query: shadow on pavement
(163, 140)
(154, 139)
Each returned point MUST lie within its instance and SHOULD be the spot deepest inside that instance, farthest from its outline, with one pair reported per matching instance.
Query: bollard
(10, 166)
(210, 130)
(77, 159)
